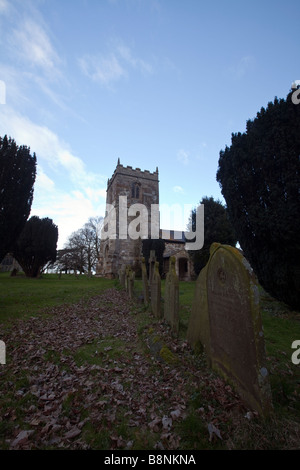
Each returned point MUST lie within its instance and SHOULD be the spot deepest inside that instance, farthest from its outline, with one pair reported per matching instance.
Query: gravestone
(152, 260)
(198, 335)
(130, 283)
(145, 282)
(171, 307)
(230, 326)
(156, 292)
(128, 272)
(122, 275)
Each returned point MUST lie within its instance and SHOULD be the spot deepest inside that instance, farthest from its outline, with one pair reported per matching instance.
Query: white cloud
(95, 193)
(43, 181)
(32, 59)
(113, 66)
(183, 156)
(178, 189)
(32, 44)
(47, 146)
(126, 54)
(69, 211)
(102, 69)
(4, 6)
(14, 84)
(239, 70)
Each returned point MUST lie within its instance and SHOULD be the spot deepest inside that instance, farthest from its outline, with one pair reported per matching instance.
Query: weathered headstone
(131, 277)
(156, 292)
(126, 277)
(152, 260)
(198, 334)
(145, 282)
(171, 306)
(230, 327)
(122, 275)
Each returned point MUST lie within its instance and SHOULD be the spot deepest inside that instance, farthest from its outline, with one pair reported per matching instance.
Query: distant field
(21, 296)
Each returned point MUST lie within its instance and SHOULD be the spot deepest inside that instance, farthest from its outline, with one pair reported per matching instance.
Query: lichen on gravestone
(156, 292)
(145, 282)
(226, 319)
(171, 304)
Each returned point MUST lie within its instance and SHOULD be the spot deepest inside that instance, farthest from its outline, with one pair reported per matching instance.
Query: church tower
(136, 187)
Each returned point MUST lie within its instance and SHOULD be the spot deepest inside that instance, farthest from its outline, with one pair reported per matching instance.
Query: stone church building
(128, 187)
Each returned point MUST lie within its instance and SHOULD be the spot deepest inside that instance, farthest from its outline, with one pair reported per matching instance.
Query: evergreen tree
(17, 177)
(259, 178)
(36, 245)
(217, 228)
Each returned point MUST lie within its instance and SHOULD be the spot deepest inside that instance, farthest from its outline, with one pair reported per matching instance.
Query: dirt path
(84, 377)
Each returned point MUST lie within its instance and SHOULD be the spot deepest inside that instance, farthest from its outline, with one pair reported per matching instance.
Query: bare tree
(95, 224)
(81, 252)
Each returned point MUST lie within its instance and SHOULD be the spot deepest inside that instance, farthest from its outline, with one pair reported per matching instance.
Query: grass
(186, 295)
(281, 328)
(95, 352)
(21, 297)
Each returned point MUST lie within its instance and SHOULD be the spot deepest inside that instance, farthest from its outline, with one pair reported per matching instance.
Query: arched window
(135, 190)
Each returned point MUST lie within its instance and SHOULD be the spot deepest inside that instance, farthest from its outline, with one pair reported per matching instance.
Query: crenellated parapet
(129, 171)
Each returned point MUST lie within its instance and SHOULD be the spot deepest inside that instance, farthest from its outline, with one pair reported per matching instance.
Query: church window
(135, 191)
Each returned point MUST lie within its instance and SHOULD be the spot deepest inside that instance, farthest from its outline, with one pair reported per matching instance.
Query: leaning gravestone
(171, 307)
(230, 326)
(156, 292)
(145, 282)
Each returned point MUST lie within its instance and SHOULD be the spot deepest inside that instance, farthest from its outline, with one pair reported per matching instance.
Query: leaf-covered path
(89, 376)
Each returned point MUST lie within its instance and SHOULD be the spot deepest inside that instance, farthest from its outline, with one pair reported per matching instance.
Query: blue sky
(156, 83)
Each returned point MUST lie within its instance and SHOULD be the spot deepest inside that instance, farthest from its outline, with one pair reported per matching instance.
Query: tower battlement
(132, 172)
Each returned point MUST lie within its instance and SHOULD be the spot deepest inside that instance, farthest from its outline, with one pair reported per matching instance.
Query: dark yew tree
(17, 177)
(217, 228)
(36, 246)
(259, 178)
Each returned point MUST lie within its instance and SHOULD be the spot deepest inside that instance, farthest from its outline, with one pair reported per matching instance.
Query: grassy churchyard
(87, 368)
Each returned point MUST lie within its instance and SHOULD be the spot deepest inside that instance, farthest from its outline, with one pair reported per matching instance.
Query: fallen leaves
(213, 431)
(21, 439)
(50, 397)
(74, 432)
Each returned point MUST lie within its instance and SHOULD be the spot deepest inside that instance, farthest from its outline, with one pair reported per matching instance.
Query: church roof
(172, 236)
